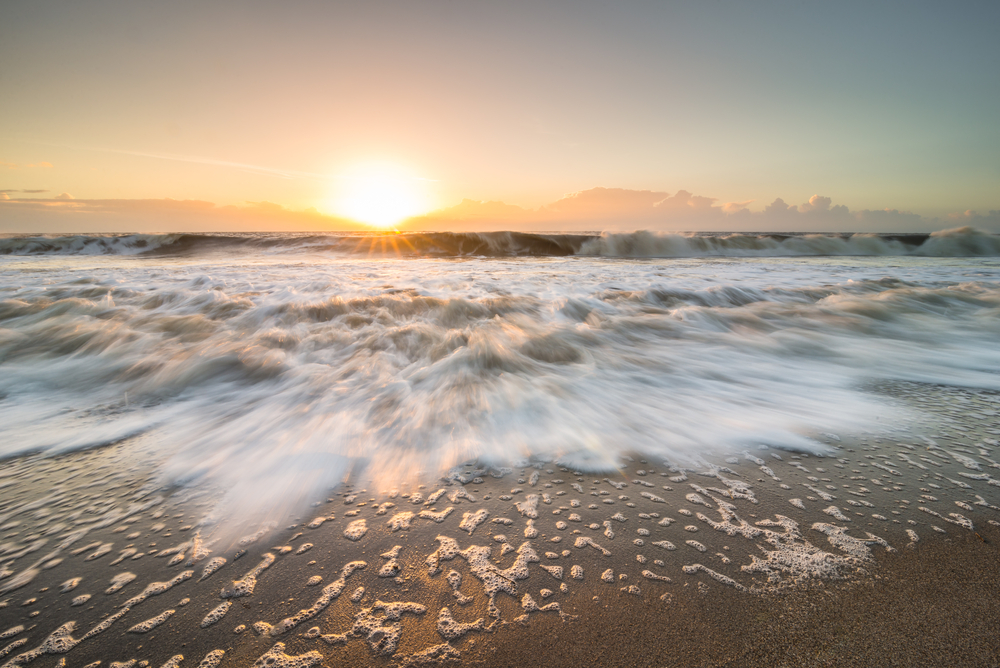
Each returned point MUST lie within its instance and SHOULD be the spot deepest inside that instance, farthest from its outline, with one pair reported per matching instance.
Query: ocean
(248, 379)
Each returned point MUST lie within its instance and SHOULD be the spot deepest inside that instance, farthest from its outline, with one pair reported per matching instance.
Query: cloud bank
(595, 209)
(619, 209)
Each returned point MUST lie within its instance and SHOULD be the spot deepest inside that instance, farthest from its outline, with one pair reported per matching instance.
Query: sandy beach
(796, 560)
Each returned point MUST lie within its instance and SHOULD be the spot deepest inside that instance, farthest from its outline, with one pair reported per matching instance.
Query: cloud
(816, 203)
(816, 209)
(990, 220)
(685, 201)
(778, 208)
(622, 209)
(734, 207)
(612, 209)
(604, 202)
(892, 219)
(15, 190)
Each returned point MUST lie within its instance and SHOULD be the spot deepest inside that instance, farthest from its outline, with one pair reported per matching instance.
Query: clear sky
(274, 108)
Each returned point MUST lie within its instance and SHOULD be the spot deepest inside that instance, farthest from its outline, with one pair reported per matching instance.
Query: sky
(156, 116)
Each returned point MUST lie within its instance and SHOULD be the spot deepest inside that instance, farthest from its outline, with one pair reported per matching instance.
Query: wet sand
(935, 605)
(884, 553)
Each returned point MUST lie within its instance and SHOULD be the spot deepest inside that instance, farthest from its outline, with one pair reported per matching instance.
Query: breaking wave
(959, 242)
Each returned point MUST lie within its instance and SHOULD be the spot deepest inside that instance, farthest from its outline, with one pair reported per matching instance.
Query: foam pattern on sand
(537, 539)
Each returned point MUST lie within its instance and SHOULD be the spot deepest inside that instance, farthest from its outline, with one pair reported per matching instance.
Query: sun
(380, 196)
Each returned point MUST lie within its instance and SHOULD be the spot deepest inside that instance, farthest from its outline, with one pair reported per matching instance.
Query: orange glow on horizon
(381, 196)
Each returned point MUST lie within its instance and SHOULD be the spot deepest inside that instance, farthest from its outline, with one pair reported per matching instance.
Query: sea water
(287, 450)
(272, 366)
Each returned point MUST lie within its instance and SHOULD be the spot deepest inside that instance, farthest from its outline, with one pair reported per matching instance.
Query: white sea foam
(273, 378)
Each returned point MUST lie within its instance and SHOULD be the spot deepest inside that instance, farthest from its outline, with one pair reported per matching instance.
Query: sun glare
(380, 196)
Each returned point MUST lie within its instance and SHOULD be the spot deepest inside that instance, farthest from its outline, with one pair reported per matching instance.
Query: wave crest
(958, 242)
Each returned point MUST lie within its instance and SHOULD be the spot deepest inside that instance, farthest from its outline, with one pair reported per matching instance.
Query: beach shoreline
(795, 560)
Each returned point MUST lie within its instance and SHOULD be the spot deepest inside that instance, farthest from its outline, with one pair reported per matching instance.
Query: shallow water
(274, 371)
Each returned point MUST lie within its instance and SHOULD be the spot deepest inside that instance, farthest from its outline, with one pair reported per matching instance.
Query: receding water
(273, 366)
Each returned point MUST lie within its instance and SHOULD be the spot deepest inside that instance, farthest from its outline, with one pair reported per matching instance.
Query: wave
(83, 244)
(273, 385)
(958, 242)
